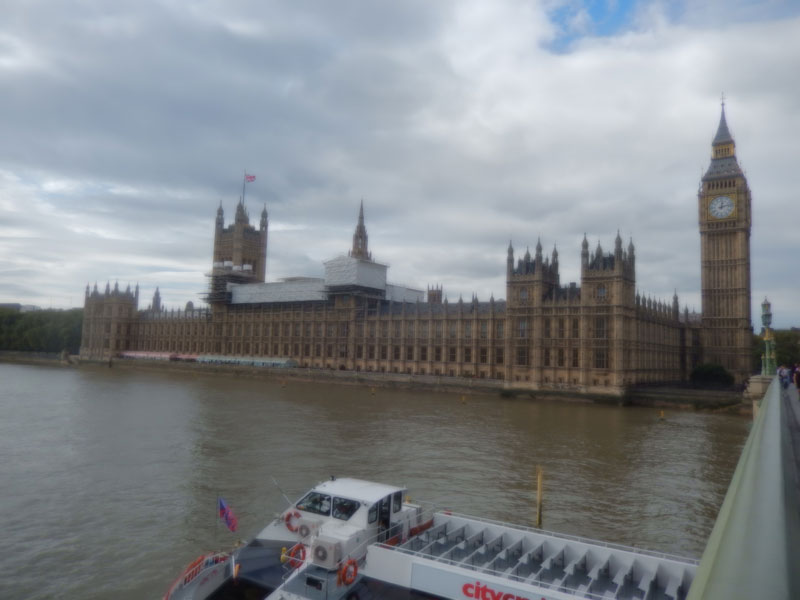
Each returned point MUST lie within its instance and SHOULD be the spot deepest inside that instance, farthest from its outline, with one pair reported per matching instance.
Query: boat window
(344, 509)
(315, 502)
(373, 514)
(397, 502)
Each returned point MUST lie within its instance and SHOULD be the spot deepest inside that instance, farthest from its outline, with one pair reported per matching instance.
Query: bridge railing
(754, 548)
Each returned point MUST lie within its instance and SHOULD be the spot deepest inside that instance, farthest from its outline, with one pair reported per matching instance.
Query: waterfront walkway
(755, 544)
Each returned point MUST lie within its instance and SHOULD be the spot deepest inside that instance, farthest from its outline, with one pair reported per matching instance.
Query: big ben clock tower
(725, 219)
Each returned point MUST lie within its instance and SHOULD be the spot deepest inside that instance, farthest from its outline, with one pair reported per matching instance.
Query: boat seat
(646, 582)
(622, 575)
(600, 565)
(674, 587)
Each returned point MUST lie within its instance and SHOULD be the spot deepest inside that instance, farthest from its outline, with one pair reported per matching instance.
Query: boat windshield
(344, 509)
(314, 502)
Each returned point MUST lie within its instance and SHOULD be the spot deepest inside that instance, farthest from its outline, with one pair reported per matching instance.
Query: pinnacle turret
(584, 252)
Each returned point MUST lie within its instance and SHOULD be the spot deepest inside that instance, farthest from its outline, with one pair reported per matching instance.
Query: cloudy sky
(461, 124)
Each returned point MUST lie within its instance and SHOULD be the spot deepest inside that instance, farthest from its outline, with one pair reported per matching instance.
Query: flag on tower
(249, 178)
(226, 514)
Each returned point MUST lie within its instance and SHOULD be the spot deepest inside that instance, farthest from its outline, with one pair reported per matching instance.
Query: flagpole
(244, 181)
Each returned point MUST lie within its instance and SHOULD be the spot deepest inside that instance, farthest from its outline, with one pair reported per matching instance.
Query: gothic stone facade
(600, 335)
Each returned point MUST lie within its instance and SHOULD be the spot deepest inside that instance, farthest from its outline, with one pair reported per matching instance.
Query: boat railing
(425, 514)
(194, 569)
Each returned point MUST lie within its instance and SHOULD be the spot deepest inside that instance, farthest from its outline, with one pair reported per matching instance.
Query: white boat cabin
(339, 518)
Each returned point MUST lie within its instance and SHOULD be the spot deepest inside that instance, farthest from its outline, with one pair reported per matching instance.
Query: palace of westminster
(599, 336)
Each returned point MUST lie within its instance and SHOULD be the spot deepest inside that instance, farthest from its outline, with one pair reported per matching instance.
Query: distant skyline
(462, 125)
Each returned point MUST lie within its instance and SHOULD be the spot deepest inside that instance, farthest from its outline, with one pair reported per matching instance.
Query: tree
(787, 346)
(41, 330)
(711, 375)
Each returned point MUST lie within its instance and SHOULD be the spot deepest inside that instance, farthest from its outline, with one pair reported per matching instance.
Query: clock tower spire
(725, 219)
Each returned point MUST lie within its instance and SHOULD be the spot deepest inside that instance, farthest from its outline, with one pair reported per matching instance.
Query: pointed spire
(360, 239)
(723, 136)
(539, 248)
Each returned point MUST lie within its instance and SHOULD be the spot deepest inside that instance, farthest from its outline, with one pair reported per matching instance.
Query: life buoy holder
(297, 555)
(290, 518)
(348, 572)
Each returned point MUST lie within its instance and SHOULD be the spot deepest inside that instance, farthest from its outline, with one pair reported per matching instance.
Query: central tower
(725, 219)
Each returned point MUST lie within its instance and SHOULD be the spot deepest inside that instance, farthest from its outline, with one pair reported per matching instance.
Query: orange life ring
(348, 572)
(297, 555)
(290, 518)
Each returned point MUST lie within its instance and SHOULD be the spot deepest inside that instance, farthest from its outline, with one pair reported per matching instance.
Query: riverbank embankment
(682, 398)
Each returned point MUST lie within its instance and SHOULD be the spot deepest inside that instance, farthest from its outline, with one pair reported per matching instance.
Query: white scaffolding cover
(294, 290)
(349, 271)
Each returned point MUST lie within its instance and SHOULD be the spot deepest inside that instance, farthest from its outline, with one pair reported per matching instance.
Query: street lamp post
(768, 367)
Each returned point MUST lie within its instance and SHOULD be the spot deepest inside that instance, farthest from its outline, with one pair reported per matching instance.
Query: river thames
(110, 477)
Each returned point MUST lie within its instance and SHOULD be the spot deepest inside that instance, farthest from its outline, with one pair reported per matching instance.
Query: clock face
(721, 207)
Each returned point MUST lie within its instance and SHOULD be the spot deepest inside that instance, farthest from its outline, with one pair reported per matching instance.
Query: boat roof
(357, 489)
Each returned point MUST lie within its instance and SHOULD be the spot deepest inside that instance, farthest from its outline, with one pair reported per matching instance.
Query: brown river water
(109, 477)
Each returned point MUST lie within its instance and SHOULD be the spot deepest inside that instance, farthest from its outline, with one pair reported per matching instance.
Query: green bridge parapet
(754, 549)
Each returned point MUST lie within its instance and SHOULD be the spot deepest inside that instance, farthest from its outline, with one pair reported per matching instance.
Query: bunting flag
(249, 178)
(226, 514)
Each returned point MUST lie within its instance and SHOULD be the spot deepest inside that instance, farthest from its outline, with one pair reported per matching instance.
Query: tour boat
(349, 539)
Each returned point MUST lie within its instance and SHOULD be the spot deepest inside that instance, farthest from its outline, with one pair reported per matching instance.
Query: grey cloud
(457, 140)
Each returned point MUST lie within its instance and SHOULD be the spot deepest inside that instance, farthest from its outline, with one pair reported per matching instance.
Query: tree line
(787, 348)
(41, 330)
